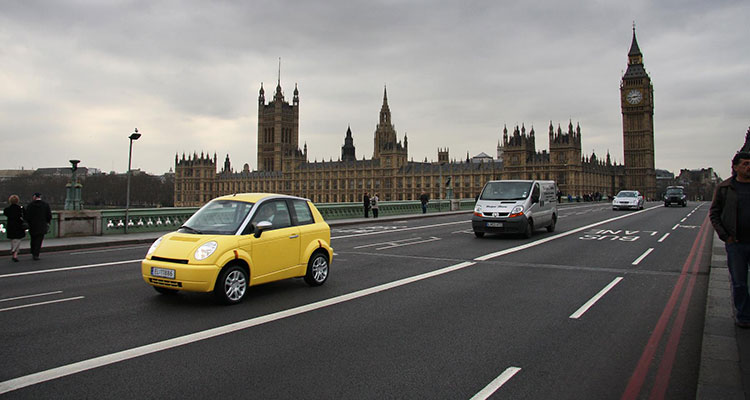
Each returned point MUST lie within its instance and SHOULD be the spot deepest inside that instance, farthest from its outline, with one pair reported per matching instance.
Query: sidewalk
(725, 355)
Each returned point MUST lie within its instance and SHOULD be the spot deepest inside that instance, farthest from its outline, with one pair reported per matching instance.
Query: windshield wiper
(191, 229)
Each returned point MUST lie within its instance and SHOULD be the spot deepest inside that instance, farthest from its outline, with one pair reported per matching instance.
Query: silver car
(628, 199)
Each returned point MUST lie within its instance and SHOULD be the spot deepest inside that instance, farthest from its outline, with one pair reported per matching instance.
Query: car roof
(627, 191)
(256, 197)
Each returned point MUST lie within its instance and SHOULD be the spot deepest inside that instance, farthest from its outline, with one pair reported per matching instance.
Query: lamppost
(133, 136)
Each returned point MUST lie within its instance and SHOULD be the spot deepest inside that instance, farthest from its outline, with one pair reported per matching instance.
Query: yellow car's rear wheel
(317, 269)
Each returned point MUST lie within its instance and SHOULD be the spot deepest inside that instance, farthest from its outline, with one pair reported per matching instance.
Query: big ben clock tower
(637, 103)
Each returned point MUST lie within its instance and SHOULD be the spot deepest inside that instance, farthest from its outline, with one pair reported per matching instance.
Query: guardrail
(50, 234)
(145, 219)
(167, 219)
(331, 211)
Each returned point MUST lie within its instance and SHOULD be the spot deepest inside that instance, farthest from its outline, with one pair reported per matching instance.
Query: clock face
(634, 96)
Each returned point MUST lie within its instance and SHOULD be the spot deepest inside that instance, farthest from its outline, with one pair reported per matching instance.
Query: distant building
(14, 173)
(699, 183)
(746, 146)
(637, 103)
(284, 168)
(61, 171)
(481, 158)
(664, 178)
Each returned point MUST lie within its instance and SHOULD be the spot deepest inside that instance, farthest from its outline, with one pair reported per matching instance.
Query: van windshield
(219, 217)
(506, 191)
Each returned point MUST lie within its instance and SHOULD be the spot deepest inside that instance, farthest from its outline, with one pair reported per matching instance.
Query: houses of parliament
(284, 168)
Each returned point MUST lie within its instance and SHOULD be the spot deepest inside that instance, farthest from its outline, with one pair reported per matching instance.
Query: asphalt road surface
(610, 305)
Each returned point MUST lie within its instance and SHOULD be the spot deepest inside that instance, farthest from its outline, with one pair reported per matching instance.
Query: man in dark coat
(38, 215)
(730, 217)
(424, 199)
(366, 204)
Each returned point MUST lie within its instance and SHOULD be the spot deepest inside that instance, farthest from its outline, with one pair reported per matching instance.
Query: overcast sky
(76, 77)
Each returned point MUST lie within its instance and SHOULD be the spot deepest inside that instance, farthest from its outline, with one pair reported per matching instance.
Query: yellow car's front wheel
(232, 284)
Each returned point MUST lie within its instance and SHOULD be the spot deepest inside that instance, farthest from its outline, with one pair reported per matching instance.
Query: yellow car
(240, 240)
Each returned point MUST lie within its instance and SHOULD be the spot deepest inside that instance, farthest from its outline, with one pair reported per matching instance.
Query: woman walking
(15, 229)
(375, 201)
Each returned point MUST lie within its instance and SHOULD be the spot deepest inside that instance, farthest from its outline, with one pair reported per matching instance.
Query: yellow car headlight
(154, 246)
(205, 250)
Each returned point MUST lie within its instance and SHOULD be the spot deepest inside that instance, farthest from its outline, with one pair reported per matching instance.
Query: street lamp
(133, 136)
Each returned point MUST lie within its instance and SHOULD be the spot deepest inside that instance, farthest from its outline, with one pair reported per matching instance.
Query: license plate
(162, 272)
(494, 224)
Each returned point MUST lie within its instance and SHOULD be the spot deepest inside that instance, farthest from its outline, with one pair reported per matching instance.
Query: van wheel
(479, 234)
(231, 285)
(317, 269)
(551, 227)
(529, 229)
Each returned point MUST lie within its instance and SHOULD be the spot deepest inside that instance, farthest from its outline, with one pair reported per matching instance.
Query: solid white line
(594, 299)
(30, 295)
(639, 259)
(70, 369)
(490, 389)
(108, 250)
(41, 304)
(558, 236)
(47, 271)
(399, 230)
(663, 237)
(675, 227)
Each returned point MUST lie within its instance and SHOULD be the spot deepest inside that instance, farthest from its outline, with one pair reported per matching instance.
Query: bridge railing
(170, 218)
(50, 234)
(145, 219)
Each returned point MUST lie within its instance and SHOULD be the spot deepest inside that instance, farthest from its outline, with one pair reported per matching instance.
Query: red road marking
(665, 367)
(639, 375)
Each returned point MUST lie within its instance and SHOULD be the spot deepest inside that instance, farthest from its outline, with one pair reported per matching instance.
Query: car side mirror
(260, 227)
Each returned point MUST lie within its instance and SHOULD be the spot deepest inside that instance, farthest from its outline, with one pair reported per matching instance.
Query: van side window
(536, 191)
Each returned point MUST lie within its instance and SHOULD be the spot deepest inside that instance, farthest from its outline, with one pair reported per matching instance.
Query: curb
(720, 375)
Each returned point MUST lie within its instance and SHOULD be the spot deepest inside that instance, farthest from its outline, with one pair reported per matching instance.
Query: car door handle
(293, 236)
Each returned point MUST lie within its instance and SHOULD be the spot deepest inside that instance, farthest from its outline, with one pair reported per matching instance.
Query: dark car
(675, 195)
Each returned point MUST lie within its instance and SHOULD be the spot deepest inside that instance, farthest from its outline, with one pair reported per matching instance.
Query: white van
(515, 206)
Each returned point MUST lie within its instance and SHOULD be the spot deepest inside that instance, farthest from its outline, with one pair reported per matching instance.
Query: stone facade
(390, 174)
(637, 103)
(284, 168)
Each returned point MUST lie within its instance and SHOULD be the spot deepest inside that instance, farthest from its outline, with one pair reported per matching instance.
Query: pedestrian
(38, 215)
(374, 201)
(424, 199)
(730, 217)
(15, 229)
(366, 204)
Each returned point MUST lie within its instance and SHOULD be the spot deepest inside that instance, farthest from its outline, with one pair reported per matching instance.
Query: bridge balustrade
(170, 218)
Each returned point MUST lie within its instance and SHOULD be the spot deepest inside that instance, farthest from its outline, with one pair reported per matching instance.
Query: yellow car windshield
(219, 217)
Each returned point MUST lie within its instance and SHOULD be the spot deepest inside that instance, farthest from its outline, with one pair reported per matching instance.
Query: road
(610, 305)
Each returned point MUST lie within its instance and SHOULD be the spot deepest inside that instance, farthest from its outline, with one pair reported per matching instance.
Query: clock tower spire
(637, 104)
